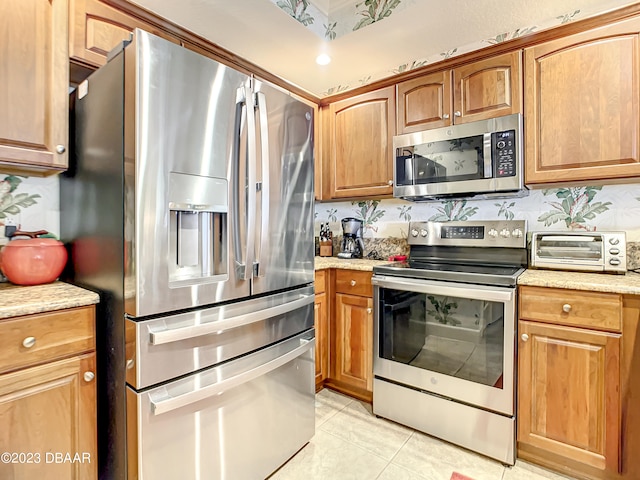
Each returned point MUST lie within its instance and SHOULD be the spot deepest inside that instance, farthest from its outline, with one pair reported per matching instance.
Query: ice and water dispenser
(198, 211)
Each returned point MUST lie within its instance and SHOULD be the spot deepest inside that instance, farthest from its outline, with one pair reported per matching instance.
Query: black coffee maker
(352, 245)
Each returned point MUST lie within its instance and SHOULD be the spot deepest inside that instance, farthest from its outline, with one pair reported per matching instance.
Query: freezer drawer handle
(173, 403)
(207, 328)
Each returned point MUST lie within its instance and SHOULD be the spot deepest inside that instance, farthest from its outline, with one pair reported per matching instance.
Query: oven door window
(444, 161)
(460, 337)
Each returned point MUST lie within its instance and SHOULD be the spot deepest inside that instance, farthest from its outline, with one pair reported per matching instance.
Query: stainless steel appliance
(582, 251)
(190, 182)
(476, 159)
(445, 334)
(352, 245)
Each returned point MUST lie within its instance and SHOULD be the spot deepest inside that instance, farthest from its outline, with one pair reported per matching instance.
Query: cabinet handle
(353, 283)
(369, 310)
(29, 342)
(524, 337)
(60, 148)
(445, 116)
(457, 113)
(130, 364)
(88, 376)
(566, 308)
(390, 182)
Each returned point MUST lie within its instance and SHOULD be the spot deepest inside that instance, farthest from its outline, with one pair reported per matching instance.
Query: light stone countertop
(364, 264)
(595, 282)
(16, 300)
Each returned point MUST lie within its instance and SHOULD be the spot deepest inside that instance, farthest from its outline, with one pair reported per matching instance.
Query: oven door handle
(447, 289)
(173, 403)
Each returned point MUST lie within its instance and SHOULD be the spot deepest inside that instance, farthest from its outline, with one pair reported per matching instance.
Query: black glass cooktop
(480, 274)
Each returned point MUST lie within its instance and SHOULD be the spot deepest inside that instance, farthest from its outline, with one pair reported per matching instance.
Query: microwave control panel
(504, 154)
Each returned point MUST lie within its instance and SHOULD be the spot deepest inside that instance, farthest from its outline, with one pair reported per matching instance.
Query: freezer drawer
(164, 348)
(239, 420)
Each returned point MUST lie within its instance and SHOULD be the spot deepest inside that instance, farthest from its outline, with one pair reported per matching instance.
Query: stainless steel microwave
(482, 158)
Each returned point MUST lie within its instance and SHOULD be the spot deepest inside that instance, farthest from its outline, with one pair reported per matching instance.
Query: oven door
(450, 339)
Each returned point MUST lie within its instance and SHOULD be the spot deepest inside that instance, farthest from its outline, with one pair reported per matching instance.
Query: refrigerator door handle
(265, 196)
(207, 328)
(173, 403)
(251, 183)
(238, 243)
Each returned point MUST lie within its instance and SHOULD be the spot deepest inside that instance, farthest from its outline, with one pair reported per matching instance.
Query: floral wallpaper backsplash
(30, 203)
(582, 208)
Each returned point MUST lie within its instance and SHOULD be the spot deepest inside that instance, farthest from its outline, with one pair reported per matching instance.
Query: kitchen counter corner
(596, 282)
(16, 300)
(364, 264)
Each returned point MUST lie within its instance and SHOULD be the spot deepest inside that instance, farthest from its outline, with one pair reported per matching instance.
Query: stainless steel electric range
(445, 334)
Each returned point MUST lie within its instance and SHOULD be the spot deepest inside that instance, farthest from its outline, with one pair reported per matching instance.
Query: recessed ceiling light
(323, 59)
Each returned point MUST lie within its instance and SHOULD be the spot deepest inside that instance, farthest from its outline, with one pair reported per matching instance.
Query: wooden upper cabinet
(569, 396)
(488, 88)
(476, 91)
(96, 28)
(34, 85)
(424, 102)
(582, 116)
(361, 133)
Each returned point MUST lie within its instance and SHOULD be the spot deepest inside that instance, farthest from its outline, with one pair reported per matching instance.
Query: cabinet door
(361, 139)
(354, 341)
(568, 391)
(582, 106)
(424, 102)
(50, 411)
(34, 84)
(322, 337)
(96, 29)
(488, 88)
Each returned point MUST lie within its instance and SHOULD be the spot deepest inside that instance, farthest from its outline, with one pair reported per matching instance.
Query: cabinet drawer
(354, 282)
(600, 311)
(43, 337)
(321, 281)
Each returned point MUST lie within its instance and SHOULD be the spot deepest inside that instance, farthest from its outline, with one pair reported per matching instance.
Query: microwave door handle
(237, 186)
(264, 192)
(488, 155)
(251, 183)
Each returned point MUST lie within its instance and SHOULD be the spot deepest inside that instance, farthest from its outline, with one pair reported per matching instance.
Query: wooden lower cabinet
(569, 396)
(353, 343)
(49, 420)
(322, 338)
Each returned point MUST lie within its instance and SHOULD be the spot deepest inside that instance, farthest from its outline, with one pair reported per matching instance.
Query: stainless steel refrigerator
(189, 208)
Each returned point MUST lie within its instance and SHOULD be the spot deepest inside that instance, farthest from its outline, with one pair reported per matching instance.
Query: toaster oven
(582, 251)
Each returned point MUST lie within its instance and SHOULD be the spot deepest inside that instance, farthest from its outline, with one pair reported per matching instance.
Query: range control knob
(414, 232)
(614, 251)
(493, 233)
(505, 233)
(517, 233)
(614, 261)
(424, 232)
(614, 241)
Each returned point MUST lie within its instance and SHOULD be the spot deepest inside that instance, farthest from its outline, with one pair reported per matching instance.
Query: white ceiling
(263, 34)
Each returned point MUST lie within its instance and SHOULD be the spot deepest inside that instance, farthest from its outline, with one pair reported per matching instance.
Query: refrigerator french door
(188, 207)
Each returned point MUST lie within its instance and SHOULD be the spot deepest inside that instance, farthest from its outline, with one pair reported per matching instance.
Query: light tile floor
(351, 443)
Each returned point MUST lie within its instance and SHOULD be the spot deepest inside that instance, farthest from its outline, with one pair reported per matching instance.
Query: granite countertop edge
(16, 301)
(363, 264)
(593, 282)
